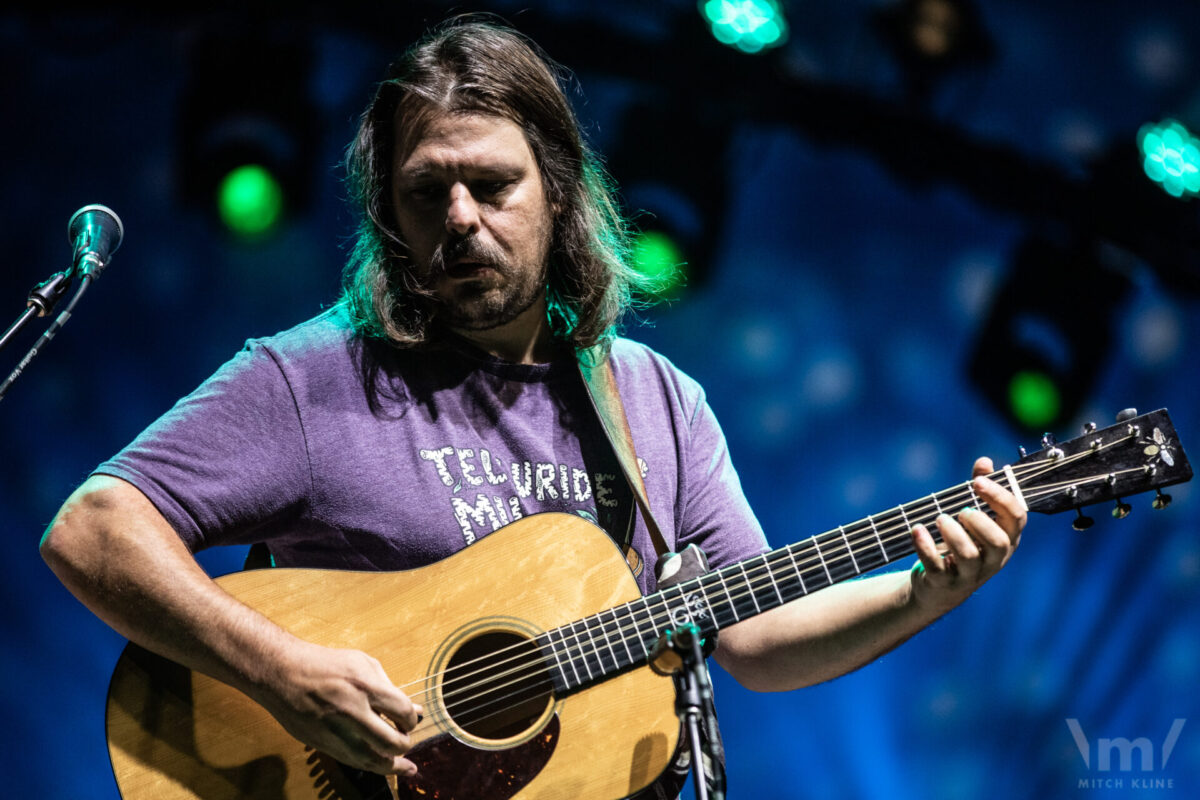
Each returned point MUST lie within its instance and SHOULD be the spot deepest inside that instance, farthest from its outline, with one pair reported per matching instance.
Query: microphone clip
(45, 296)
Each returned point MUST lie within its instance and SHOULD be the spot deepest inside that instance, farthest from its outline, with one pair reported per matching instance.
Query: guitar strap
(601, 385)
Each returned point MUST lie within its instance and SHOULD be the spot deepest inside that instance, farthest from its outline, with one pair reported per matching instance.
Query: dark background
(859, 224)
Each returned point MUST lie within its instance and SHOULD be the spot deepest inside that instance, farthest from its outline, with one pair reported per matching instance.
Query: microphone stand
(47, 296)
(694, 705)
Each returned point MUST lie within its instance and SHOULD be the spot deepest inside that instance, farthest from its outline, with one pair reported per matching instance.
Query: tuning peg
(1021, 451)
(1126, 414)
(1089, 427)
(1121, 510)
(1048, 440)
(1160, 500)
(1082, 523)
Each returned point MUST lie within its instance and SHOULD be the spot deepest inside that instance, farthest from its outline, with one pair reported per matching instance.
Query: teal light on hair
(659, 260)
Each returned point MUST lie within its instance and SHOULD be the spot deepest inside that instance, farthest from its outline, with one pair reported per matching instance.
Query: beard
(469, 298)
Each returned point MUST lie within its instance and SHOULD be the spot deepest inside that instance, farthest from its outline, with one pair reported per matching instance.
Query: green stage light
(1033, 399)
(250, 200)
(656, 256)
(1171, 157)
(748, 25)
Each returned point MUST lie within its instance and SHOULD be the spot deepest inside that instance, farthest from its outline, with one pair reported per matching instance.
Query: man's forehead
(448, 142)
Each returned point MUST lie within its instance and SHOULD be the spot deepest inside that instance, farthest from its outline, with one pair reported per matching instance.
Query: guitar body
(175, 734)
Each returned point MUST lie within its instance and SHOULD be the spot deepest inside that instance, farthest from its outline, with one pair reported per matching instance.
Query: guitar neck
(1135, 455)
(594, 648)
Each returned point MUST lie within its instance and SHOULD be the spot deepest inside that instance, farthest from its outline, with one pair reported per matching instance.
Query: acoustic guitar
(529, 649)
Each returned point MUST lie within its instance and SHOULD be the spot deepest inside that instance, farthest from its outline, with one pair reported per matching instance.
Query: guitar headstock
(1138, 454)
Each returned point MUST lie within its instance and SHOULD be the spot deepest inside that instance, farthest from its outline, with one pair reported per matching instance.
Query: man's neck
(524, 340)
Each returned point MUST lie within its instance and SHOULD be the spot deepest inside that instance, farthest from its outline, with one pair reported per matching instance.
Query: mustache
(466, 248)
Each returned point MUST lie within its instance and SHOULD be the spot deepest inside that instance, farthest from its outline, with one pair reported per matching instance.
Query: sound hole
(496, 685)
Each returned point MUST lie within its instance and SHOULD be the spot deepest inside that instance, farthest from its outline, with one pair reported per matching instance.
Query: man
(439, 400)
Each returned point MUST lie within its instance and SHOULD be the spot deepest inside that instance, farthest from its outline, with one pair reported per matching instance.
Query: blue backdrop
(832, 333)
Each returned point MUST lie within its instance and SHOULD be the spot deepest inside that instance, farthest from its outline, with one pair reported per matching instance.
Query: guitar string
(528, 692)
(764, 569)
(866, 541)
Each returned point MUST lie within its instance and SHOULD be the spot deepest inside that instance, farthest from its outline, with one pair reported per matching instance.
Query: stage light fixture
(748, 25)
(247, 139)
(674, 190)
(1171, 157)
(1047, 333)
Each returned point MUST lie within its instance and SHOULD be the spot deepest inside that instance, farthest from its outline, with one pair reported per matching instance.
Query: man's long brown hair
(472, 66)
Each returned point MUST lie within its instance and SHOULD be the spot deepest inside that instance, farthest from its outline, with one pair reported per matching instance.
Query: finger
(382, 764)
(986, 532)
(398, 707)
(1010, 513)
(927, 550)
(983, 466)
(963, 548)
(384, 737)
(360, 748)
(991, 540)
(386, 699)
(398, 766)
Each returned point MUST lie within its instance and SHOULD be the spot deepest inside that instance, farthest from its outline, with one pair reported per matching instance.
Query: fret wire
(770, 574)
(666, 610)
(607, 641)
(837, 558)
(570, 658)
(649, 618)
(821, 556)
(582, 649)
(750, 585)
(779, 566)
(621, 630)
(878, 538)
(850, 550)
(816, 577)
(975, 497)
(732, 603)
(796, 568)
(557, 660)
(725, 588)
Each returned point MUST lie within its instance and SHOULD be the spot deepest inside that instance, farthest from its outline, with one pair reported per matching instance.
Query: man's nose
(462, 213)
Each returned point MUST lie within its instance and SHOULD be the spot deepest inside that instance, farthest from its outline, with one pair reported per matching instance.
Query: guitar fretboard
(595, 648)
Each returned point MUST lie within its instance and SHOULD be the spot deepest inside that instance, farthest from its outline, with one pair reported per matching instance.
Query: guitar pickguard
(448, 769)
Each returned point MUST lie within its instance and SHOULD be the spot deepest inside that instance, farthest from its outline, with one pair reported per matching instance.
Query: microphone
(95, 232)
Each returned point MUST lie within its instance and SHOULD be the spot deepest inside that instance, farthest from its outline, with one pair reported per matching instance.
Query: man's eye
(492, 188)
(424, 194)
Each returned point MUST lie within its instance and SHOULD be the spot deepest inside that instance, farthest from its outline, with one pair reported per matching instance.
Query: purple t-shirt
(345, 453)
